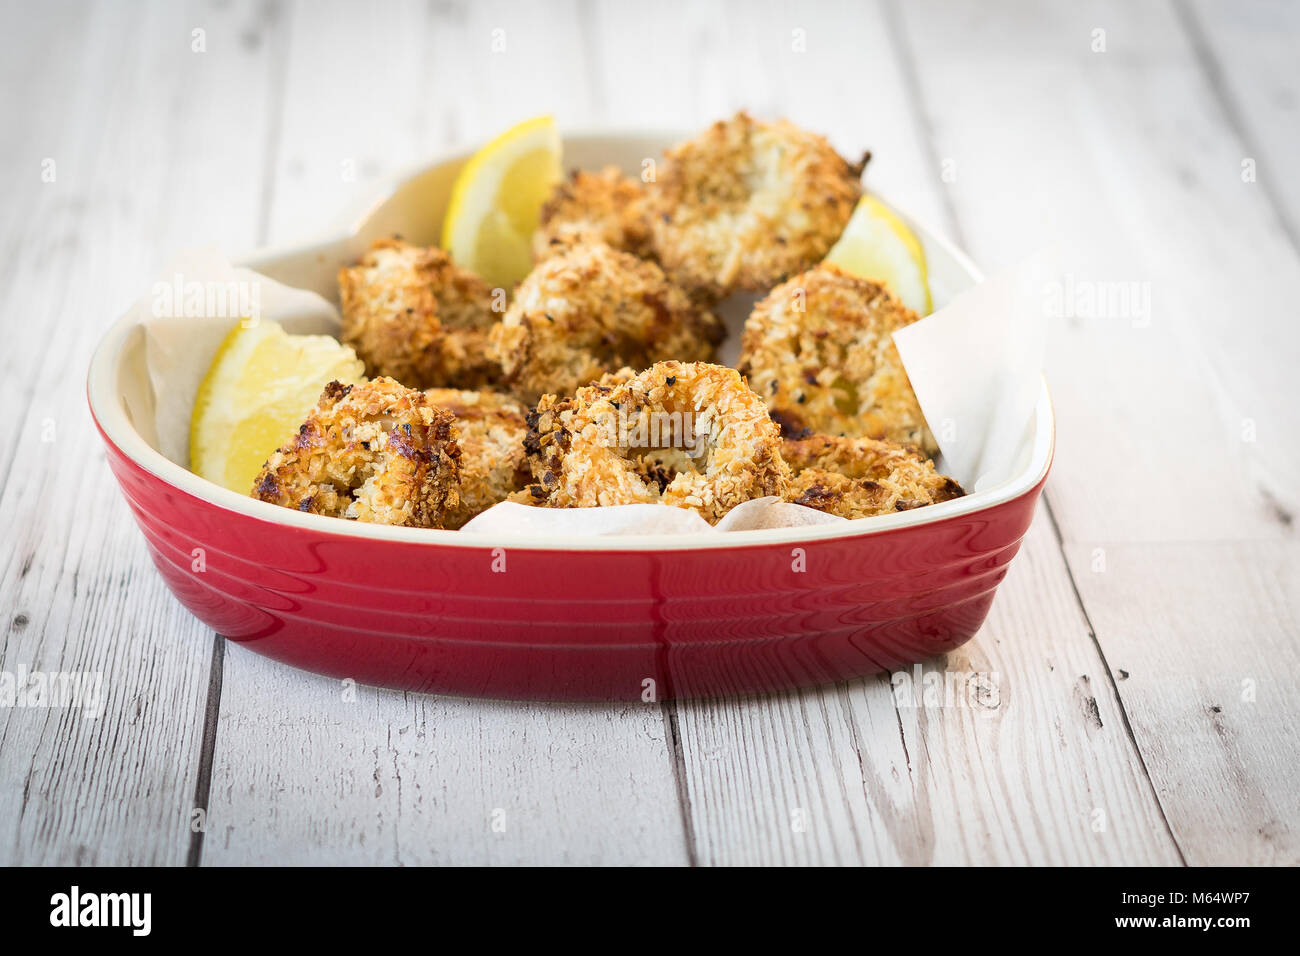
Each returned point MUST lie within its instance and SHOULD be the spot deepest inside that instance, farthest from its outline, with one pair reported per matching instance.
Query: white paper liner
(641, 519)
(974, 365)
(179, 349)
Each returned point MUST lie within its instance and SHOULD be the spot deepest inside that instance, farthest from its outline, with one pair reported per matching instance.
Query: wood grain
(875, 784)
(135, 174)
(301, 775)
(306, 773)
(1205, 643)
(1246, 52)
(1137, 687)
(1042, 772)
(1127, 158)
(1123, 161)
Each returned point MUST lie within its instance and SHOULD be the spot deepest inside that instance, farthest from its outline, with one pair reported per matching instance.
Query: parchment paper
(179, 348)
(975, 366)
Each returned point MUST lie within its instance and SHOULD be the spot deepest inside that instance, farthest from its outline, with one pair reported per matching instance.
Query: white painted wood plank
(1205, 643)
(138, 172)
(1123, 159)
(1248, 52)
(374, 96)
(1037, 769)
(693, 63)
(303, 776)
(299, 774)
(870, 784)
(1128, 159)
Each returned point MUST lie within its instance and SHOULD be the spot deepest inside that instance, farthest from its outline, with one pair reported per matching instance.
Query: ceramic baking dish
(606, 618)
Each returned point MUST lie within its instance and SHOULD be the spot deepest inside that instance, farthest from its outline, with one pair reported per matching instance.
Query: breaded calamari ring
(490, 429)
(747, 203)
(376, 452)
(818, 349)
(591, 309)
(862, 477)
(603, 207)
(415, 316)
(535, 494)
(691, 435)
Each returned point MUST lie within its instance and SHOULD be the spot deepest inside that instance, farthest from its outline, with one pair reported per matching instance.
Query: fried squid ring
(490, 429)
(413, 315)
(688, 435)
(747, 203)
(376, 452)
(862, 477)
(603, 207)
(819, 350)
(591, 309)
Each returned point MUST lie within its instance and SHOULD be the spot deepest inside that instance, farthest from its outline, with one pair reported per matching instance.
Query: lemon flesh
(496, 203)
(876, 245)
(259, 389)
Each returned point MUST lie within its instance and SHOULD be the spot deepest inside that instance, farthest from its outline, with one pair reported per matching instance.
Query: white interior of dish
(414, 208)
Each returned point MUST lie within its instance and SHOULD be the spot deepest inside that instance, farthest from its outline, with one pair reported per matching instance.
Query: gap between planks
(208, 747)
(277, 19)
(925, 133)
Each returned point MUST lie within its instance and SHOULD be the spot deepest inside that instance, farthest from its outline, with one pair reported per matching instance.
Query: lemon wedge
(497, 202)
(876, 245)
(259, 389)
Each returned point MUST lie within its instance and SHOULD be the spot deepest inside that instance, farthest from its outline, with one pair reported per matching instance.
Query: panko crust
(818, 348)
(603, 207)
(490, 429)
(747, 203)
(863, 477)
(413, 315)
(691, 435)
(377, 452)
(591, 309)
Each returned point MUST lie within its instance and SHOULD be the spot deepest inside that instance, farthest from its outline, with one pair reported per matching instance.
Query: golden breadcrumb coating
(490, 429)
(603, 207)
(747, 203)
(691, 435)
(862, 477)
(415, 316)
(617, 377)
(591, 309)
(376, 452)
(524, 496)
(818, 349)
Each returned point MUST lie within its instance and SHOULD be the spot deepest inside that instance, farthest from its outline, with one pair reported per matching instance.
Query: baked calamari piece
(413, 315)
(747, 203)
(603, 207)
(591, 309)
(375, 452)
(862, 477)
(819, 350)
(692, 435)
(490, 429)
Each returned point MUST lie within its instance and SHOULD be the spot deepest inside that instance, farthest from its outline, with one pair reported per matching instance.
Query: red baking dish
(584, 618)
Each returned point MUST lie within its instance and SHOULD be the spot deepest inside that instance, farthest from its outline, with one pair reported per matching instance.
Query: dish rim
(109, 413)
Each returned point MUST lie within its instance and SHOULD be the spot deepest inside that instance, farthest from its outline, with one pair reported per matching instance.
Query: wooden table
(1144, 643)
